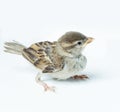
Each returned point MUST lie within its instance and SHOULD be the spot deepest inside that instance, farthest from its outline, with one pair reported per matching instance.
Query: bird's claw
(49, 88)
(80, 77)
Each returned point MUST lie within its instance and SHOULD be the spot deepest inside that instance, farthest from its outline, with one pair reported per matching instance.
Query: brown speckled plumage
(43, 55)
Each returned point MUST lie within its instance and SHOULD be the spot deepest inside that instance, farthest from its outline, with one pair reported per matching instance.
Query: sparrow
(61, 59)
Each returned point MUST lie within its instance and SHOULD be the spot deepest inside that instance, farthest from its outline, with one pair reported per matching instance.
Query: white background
(29, 21)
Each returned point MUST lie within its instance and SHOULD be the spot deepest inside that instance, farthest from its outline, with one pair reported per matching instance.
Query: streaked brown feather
(43, 55)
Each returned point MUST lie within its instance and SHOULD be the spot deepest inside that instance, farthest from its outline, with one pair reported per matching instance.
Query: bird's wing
(41, 55)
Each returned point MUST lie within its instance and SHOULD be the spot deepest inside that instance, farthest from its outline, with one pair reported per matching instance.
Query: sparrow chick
(61, 59)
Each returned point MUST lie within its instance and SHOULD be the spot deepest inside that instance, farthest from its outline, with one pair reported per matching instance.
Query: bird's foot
(49, 88)
(45, 86)
(80, 77)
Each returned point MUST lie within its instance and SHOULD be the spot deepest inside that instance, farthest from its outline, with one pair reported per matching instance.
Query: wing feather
(39, 54)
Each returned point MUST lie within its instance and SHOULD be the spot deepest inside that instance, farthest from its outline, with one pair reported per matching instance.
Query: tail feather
(14, 47)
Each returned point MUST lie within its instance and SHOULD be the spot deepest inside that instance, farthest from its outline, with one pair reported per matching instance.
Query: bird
(61, 59)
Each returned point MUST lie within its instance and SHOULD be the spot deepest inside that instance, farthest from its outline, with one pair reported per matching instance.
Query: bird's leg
(80, 77)
(40, 82)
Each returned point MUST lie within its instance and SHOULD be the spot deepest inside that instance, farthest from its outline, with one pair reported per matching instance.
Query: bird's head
(72, 43)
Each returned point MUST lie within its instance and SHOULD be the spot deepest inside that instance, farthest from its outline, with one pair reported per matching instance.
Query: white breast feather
(73, 66)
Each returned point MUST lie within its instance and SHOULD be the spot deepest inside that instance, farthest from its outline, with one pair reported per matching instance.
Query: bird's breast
(72, 66)
(75, 64)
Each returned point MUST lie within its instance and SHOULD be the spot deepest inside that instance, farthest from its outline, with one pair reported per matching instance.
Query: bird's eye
(79, 43)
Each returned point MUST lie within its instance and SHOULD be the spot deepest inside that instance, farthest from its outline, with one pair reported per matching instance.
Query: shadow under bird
(61, 59)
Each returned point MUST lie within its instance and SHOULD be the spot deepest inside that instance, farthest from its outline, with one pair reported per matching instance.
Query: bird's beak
(89, 40)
